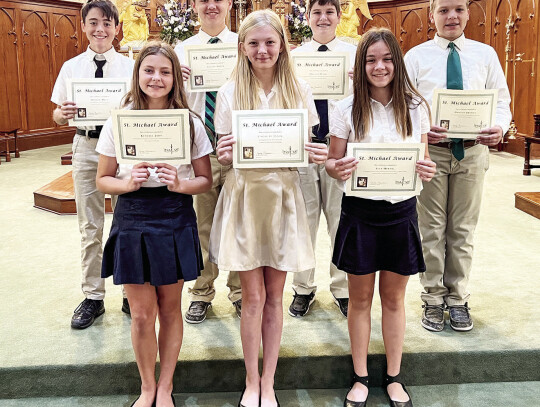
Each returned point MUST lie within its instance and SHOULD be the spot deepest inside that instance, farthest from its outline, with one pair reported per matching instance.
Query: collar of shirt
(375, 102)
(266, 100)
(109, 55)
(331, 45)
(206, 37)
(443, 42)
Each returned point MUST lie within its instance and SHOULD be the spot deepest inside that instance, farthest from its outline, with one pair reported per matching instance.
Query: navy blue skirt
(378, 235)
(153, 239)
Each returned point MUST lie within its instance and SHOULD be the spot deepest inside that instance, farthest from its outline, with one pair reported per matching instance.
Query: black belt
(318, 140)
(89, 133)
(448, 144)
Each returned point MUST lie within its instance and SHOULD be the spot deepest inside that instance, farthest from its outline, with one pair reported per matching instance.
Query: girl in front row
(153, 246)
(379, 233)
(260, 224)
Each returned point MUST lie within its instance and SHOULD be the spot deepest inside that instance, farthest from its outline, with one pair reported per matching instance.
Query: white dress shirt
(200, 147)
(83, 66)
(197, 100)
(481, 69)
(383, 129)
(225, 105)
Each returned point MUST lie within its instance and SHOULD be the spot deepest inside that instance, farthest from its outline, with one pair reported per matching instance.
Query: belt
(448, 144)
(318, 140)
(89, 133)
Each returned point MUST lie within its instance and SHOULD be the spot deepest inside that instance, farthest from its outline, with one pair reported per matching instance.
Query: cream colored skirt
(260, 220)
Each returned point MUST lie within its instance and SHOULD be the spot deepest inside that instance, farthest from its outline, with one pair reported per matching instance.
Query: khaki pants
(321, 192)
(448, 210)
(90, 214)
(205, 205)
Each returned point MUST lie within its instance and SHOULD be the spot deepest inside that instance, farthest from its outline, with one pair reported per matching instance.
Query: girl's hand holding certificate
(168, 175)
(139, 174)
(426, 169)
(224, 149)
(344, 167)
(318, 152)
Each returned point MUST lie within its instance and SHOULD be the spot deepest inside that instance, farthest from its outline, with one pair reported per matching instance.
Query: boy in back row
(320, 191)
(449, 205)
(100, 24)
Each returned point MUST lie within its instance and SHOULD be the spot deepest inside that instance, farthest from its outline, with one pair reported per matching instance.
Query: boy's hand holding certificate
(385, 169)
(271, 138)
(327, 73)
(464, 112)
(211, 65)
(152, 136)
(95, 98)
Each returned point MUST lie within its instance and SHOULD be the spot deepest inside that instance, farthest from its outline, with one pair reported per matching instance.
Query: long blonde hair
(404, 94)
(246, 83)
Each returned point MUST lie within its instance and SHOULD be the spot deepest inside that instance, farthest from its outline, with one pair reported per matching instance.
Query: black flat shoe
(241, 397)
(396, 379)
(357, 379)
(174, 402)
(132, 404)
(277, 401)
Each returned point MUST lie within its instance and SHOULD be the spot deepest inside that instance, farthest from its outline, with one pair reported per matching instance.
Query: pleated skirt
(260, 220)
(153, 239)
(378, 235)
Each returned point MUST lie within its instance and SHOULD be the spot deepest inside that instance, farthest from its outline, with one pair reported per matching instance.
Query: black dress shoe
(357, 379)
(125, 306)
(396, 379)
(85, 314)
(343, 305)
(174, 402)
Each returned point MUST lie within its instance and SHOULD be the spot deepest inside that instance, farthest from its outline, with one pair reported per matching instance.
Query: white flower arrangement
(177, 21)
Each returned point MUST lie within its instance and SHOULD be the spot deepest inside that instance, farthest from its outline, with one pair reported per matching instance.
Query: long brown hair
(404, 94)
(246, 83)
(177, 99)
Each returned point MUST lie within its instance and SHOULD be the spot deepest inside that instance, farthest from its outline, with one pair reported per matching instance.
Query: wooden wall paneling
(382, 17)
(525, 46)
(36, 68)
(479, 25)
(411, 26)
(431, 29)
(502, 23)
(66, 44)
(10, 113)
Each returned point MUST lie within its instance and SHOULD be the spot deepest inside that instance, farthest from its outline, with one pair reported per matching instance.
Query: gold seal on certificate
(464, 112)
(95, 99)
(152, 135)
(325, 72)
(385, 169)
(211, 65)
(270, 138)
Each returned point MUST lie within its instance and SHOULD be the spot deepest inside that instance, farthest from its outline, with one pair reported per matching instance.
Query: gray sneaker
(460, 318)
(433, 317)
(196, 312)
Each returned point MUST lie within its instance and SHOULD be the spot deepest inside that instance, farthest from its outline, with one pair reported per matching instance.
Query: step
(528, 202)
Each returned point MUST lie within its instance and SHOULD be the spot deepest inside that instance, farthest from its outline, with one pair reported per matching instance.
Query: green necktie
(454, 80)
(210, 108)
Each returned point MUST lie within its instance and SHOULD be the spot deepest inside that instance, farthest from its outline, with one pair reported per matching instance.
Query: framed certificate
(385, 169)
(464, 112)
(152, 135)
(211, 65)
(95, 98)
(326, 73)
(270, 138)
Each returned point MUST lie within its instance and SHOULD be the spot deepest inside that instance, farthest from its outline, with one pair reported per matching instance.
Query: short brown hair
(432, 4)
(107, 8)
(334, 3)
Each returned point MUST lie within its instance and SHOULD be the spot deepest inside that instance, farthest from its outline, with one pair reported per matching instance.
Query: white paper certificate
(385, 169)
(270, 138)
(211, 65)
(152, 135)
(464, 112)
(95, 99)
(325, 72)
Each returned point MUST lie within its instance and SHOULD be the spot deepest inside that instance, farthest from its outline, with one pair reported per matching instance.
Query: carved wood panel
(525, 45)
(381, 18)
(478, 27)
(411, 26)
(10, 114)
(65, 40)
(36, 62)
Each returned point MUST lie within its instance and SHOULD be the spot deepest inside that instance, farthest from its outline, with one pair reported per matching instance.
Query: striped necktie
(321, 130)
(210, 108)
(454, 80)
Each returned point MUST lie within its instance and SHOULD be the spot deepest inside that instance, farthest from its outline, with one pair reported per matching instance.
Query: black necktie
(99, 74)
(321, 130)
